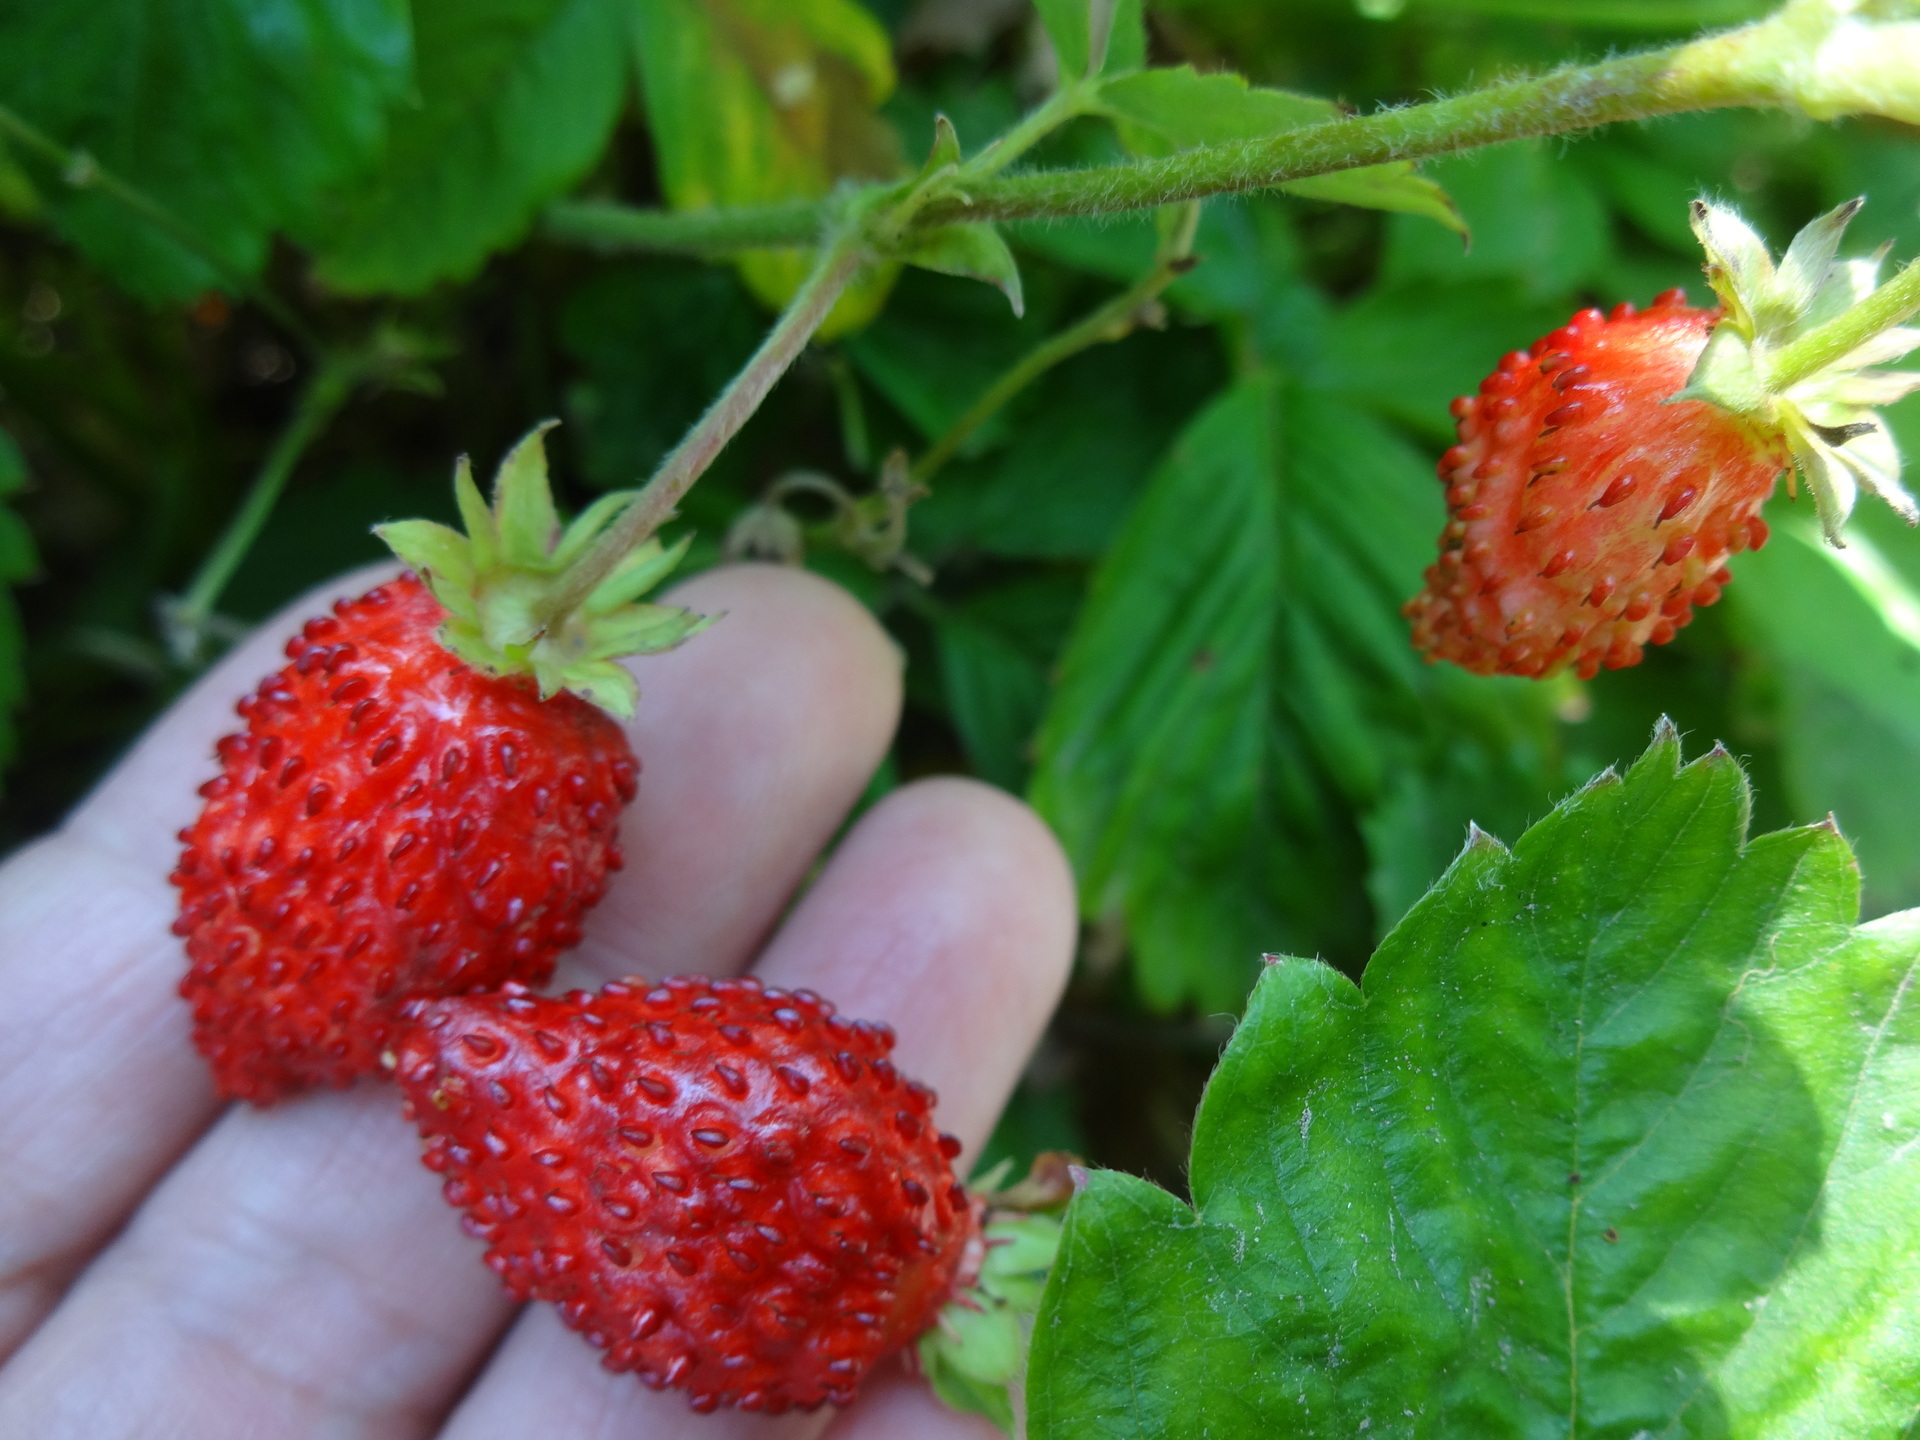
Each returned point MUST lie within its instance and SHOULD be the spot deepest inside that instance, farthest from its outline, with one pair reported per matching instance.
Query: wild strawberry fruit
(726, 1187)
(416, 806)
(1605, 475)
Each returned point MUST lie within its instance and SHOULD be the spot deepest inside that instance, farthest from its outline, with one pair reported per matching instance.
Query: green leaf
(1407, 351)
(1097, 37)
(752, 101)
(1835, 635)
(975, 251)
(1535, 222)
(1161, 112)
(1240, 684)
(995, 693)
(233, 114)
(515, 100)
(1617, 1137)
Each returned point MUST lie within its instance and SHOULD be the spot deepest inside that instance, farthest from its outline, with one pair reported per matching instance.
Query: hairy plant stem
(1111, 321)
(839, 262)
(1886, 307)
(1757, 64)
(81, 171)
(186, 621)
(1066, 103)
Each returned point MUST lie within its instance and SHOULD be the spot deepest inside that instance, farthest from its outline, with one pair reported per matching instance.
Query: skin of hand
(172, 1267)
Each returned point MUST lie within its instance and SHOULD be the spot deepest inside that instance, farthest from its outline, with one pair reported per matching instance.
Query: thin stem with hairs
(836, 267)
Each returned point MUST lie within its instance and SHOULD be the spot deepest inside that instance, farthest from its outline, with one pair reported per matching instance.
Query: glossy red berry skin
(1586, 517)
(726, 1188)
(390, 823)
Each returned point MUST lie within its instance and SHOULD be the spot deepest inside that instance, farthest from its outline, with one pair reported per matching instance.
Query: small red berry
(727, 1188)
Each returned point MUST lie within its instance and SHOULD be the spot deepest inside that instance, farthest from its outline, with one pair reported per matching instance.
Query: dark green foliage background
(1231, 734)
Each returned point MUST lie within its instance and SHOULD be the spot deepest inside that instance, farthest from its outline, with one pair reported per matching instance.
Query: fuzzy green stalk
(318, 404)
(839, 262)
(1893, 302)
(1759, 65)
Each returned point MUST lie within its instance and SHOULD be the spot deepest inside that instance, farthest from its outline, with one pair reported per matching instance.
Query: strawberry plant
(1614, 1136)
(1105, 353)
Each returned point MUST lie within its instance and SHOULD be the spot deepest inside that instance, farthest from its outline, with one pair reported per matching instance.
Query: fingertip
(948, 912)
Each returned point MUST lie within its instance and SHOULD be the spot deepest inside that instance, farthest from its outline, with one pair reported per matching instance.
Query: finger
(345, 1272)
(754, 741)
(99, 1088)
(948, 912)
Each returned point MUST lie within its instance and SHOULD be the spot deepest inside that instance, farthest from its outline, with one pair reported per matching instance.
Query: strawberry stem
(1814, 57)
(1886, 307)
(186, 621)
(1116, 318)
(839, 262)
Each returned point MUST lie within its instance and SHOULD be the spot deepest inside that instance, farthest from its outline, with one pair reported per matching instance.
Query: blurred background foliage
(1164, 580)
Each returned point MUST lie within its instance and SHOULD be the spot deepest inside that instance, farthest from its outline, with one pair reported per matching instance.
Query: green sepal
(496, 582)
(1827, 421)
(973, 251)
(975, 1356)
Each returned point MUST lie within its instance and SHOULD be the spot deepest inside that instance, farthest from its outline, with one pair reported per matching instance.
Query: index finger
(100, 1088)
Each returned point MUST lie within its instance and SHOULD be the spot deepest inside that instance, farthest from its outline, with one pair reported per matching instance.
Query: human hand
(168, 1267)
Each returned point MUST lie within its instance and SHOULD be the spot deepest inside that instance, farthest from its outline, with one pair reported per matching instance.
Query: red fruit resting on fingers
(1586, 519)
(727, 1188)
(390, 823)
(425, 801)
(1604, 477)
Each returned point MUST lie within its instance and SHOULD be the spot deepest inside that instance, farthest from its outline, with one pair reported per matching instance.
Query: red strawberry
(728, 1188)
(1605, 475)
(397, 819)
(391, 823)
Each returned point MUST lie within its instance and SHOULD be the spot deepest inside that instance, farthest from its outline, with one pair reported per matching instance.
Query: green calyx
(1796, 351)
(975, 1356)
(495, 582)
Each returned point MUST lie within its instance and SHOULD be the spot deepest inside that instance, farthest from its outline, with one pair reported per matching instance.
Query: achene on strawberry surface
(1605, 475)
(390, 823)
(726, 1187)
(425, 801)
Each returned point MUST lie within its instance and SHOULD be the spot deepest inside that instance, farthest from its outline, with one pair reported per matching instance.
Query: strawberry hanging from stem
(1604, 476)
(426, 799)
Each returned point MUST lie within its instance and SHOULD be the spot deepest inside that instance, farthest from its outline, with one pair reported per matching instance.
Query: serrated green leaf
(1617, 1137)
(1099, 37)
(995, 692)
(234, 114)
(752, 101)
(515, 99)
(1834, 637)
(973, 251)
(1240, 684)
(1163, 111)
